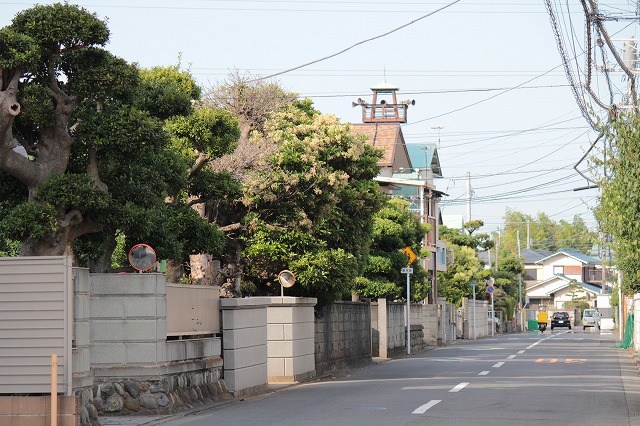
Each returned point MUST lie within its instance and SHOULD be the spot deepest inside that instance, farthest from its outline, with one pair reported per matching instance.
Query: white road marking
(511, 356)
(459, 387)
(522, 351)
(482, 349)
(483, 373)
(421, 409)
(498, 364)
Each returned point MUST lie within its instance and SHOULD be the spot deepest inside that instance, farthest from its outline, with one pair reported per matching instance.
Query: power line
(360, 42)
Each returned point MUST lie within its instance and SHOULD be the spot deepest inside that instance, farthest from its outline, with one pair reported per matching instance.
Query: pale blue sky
(520, 140)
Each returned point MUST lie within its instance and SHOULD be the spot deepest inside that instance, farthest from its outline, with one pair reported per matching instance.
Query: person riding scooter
(543, 318)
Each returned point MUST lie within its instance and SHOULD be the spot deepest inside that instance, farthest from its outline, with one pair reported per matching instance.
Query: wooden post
(54, 390)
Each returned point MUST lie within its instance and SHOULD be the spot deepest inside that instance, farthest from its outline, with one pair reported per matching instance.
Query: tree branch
(85, 227)
(200, 162)
(230, 228)
(195, 201)
(92, 169)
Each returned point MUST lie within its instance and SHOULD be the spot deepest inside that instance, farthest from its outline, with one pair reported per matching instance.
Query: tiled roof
(388, 137)
(532, 256)
(572, 253)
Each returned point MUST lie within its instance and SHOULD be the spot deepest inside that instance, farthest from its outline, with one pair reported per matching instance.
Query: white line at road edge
(483, 373)
(421, 409)
(498, 364)
(459, 387)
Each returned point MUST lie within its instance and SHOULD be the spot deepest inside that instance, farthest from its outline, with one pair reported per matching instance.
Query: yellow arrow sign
(410, 254)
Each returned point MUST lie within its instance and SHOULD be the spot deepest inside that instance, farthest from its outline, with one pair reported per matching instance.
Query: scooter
(542, 326)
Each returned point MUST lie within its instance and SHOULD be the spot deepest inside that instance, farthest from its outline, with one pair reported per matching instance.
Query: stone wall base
(162, 394)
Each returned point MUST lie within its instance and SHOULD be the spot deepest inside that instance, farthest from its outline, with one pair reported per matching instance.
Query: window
(531, 274)
(558, 270)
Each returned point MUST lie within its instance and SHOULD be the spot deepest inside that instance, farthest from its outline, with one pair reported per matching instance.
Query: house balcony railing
(592, 275)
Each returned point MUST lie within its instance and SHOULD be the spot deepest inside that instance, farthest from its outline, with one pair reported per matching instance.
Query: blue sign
(490, 289)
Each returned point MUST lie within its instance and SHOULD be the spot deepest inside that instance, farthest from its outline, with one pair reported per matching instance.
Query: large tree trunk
(103, 263)
(202, 269)
(53, 245)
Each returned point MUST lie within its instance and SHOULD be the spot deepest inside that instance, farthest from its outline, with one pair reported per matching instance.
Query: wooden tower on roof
(382, 110)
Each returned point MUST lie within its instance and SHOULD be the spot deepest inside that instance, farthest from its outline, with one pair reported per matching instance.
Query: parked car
(590, 318)
(560, 319)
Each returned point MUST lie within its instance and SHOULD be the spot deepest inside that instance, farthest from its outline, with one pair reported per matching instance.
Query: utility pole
(528, 235)
(468, 196)
(497, 249)
(520, 274)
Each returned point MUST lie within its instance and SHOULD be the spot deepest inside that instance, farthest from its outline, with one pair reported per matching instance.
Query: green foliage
(376, 289)
(454, 284)
(39, 108)
(619, 208)
(29, 220)
(73, 192)
(465, 237)
(311, 201)
(213, 132)
(96, 74)
(59, 27)
(167, 92)
(16, 50)
(105, 165)
(394, 228)
(326, 274)
(545, 233)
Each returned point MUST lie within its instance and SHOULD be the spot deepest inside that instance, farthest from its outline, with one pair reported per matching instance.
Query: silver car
(590, 318)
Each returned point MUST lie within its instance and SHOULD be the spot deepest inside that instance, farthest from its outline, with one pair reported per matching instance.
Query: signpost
(490, 289)
(473, 283)
(411, 256)
(408, 271)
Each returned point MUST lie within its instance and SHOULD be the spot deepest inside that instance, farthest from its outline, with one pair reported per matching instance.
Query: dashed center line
(459, 387)
(498, 364)
(511, 356)
(421, 409)
(522, 351)
(483, 373)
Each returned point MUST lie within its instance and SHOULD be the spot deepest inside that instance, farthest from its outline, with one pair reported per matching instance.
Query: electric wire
(359, 43)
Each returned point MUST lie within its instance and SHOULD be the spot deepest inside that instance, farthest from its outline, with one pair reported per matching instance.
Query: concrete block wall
(128, 319)
(427, 317)
(466, 322)
(290, 339)
(244, 344)
(343, 333)
(81, 355)
(396, 327)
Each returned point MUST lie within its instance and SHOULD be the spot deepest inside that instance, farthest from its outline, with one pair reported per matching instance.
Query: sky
(486, 76)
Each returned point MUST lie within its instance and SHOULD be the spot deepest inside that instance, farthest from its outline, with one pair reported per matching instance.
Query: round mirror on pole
(286, 280)
(142, 257)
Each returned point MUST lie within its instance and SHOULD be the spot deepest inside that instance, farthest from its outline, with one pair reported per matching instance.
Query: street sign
(410, 254)
(406, 271)
(490, 289)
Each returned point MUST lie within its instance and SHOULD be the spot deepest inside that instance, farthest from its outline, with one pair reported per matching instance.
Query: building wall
(549, 265)
(36, 297)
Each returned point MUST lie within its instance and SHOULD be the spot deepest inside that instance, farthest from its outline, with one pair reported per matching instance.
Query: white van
(590, 318)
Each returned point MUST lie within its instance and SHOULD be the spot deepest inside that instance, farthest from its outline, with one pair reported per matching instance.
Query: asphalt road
(559, 377)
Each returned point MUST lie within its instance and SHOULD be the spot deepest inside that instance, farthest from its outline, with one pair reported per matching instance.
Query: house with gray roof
(553, 278)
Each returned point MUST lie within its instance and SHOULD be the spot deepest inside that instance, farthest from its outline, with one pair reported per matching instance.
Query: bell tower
(382, 110)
